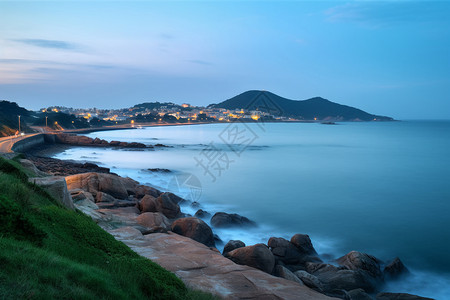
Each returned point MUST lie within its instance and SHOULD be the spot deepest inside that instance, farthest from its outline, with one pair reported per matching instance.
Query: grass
(49, 252)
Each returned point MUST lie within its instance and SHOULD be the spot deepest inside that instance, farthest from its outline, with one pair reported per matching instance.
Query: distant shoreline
(152, 124)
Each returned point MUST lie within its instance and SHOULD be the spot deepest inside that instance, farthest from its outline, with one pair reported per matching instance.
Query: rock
(98, 182)
(142, 190)
(86, 207)
(283, 272)
(156, 229)
(202, 214)
(152, 219)
(166, 203)
(195, 229)
(86, 203)
(174, 198)
(59, 167)
(126, 233)
(104, 205)
(57, 188)
(258, 256)
(366, 264)
(120, 216)
(303, 244)
(395, 269)
(30, 166)
(284, 251)
(399, 296)
(79, 195)
(129, 184)
(126, 203)
(231, 245)
(288, 253)
(334, 279)
(103, 197)
(148, 204)
(82, 198)
(309, 280)
(358, 294)
(222, 219)
(135, 145)
(195, 204)
(159, 170)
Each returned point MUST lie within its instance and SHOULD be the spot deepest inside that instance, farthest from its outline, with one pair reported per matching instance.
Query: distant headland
(249, 106)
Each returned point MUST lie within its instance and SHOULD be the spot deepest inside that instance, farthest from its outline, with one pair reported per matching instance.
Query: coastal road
(6, 143)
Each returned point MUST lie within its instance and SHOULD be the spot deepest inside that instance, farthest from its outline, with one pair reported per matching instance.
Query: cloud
(200, 62)
(389, 12)
(15, 71)
(52, 44)
(54, 63)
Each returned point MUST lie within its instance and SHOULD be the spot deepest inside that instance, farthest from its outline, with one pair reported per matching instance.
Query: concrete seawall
(32, 141)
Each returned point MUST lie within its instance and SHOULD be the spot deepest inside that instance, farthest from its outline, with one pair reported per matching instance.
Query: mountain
(311, 109)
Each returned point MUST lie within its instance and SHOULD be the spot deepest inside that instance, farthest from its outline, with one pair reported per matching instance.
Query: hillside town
(165, 112)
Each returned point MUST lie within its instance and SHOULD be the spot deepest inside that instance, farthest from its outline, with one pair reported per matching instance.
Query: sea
(377, 187)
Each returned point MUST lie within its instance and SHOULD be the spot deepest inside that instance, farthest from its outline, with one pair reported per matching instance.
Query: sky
(388, 58)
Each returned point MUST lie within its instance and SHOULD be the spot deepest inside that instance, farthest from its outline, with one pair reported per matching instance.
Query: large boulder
(142, 190)
(168, 205)
(222, 219)
(153, 220)
(364, 263)
(99, 182)
(202, 214)
(148, 204)
(395, 269)
(174, 198)
(399, 296)
(284, 251)
(289, 254)
(231, 245)
(195, 229)
(334, 279)
(129, 184)
(57, 188)
(258, 256)
(303, 243)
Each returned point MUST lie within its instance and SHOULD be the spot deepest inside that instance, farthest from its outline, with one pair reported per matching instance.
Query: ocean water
(380, 188)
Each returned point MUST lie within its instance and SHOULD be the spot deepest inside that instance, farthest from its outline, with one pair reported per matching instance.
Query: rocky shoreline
(152, 223)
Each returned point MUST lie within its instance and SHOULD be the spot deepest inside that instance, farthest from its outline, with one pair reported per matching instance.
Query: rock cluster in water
(81, 140)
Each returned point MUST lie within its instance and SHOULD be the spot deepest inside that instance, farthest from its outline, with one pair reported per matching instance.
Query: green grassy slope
(49, 252)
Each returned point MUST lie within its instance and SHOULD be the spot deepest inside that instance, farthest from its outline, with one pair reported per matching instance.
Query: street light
(46, 123)
(19, 123)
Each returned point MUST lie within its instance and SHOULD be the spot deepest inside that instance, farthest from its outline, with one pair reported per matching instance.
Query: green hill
(50, 252)
(9, 117)
(310, 109)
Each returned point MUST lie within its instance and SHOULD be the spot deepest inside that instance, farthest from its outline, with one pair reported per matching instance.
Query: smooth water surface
(380, 188)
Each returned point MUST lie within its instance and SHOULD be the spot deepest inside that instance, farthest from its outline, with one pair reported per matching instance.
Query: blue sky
(390, 58)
